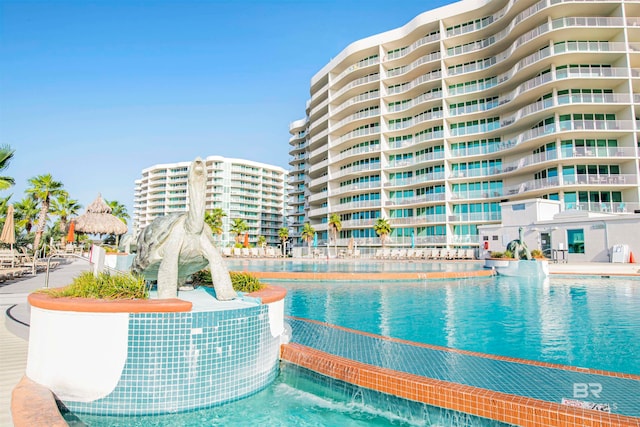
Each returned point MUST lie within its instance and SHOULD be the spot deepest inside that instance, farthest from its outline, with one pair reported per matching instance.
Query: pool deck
(13, 351)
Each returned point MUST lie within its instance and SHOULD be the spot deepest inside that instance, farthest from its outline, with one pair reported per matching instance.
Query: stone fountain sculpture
(518, 247)
(173, 247)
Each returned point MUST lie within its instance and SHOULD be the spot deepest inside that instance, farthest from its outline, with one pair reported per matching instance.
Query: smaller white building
(570, 235)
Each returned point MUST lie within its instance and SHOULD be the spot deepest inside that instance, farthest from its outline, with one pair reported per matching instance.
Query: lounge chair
(244, 252)
(393, 254)
(469, 254)
(356, 253)
(418, 254)
(253, 252)
(378, 254)
(451, 253)
(226, 252)
(237, 252)
(402, 254)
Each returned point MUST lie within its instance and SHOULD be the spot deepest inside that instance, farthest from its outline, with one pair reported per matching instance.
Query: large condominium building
(251, 191)
(434, 124)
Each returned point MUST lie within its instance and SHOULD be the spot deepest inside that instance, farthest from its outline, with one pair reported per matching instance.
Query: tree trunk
(63, 230)
(42, 222)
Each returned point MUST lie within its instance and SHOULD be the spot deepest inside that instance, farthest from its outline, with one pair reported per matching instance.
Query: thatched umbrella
(99, 220)
(9, 232)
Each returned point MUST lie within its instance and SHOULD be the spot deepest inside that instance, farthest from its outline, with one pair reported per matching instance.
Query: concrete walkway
(13, 335)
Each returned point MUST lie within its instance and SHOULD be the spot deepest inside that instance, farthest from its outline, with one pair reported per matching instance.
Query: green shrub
(497, 254)
(105, 286)
(508, 254)
(242, 282)
(537, 254)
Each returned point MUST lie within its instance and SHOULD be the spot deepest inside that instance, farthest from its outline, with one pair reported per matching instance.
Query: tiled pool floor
(519, 378)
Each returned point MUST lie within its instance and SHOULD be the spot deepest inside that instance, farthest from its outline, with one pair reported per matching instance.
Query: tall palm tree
(43, 188)
(283, 233)
(262, 241)
(26, 211)
(239, 227)
(382, 229)
(335, 225)
(214, 220)
(6, 154)
(64, 208)
(307, 234)
(118, 210)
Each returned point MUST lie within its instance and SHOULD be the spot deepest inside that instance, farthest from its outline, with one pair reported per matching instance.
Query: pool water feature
(302, 398)
(592, 323)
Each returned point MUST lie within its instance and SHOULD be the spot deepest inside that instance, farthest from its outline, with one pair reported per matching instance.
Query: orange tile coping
(34, 405)
(478, 354)
(88, 305)
(269, 294)
(287, 275)
(523, 411)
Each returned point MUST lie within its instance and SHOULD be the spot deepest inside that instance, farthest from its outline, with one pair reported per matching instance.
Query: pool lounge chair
(418, 254)
(378, 254)
(226, 252)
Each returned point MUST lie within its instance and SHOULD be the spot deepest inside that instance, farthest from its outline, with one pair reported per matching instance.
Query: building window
(575, 240)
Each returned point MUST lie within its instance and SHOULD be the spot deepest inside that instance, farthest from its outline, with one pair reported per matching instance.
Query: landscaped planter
(134, 357)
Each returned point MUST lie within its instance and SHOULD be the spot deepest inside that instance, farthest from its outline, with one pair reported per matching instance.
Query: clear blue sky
(95, 91)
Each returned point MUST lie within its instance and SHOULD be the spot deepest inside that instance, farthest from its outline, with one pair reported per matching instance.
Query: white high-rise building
(251, 191)
(434, 124)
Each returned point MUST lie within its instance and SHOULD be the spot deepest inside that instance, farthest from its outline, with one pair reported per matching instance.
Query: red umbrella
(246, 240)
(72, 229)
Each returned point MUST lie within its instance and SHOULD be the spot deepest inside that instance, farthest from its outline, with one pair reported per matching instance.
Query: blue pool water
(301, 398)
(592, 323)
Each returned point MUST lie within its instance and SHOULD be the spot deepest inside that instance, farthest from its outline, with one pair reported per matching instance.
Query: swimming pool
(592, 323)
(587, 322)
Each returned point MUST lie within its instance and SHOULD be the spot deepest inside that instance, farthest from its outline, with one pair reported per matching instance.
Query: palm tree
(64, 208)
(214, 220)
(6, 154)
(43, 188)
(119, 211)
(382, 229)
(307, 234)
(239, 227)
(26, 211)
(283, 233)
(262, 241)
(335, 225)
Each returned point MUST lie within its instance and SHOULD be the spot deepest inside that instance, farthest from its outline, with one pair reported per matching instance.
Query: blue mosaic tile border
(183, 361)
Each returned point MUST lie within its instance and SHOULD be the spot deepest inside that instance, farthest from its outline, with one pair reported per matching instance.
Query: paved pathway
(13, 349)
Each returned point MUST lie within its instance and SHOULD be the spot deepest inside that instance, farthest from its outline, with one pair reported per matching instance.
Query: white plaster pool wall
(154, 363)
(79, 356)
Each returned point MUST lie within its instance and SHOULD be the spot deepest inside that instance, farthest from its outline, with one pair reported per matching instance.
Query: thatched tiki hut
(99, 220)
